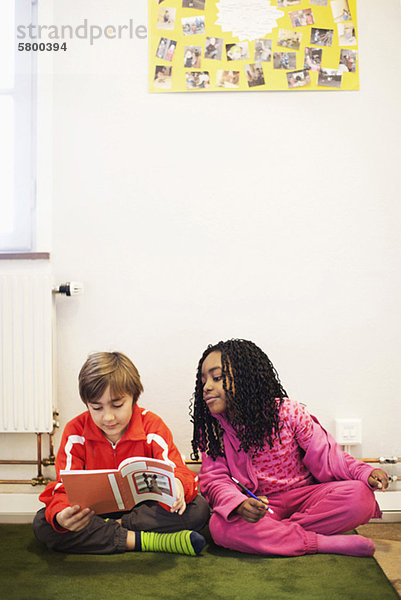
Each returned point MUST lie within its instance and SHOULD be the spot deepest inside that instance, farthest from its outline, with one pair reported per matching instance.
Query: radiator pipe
(51, 444)
(39, 449)
(50, 460)
(39, 479)
(18, 462)
(383, 460)
(20, 481)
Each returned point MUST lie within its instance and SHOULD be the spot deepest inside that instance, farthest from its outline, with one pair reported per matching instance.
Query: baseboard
(22, 505)
(390, 505)
(389, 500)
(16, 519)
(389, 516)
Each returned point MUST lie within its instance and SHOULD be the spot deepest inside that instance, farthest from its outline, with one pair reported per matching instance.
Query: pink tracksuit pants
(299, 515)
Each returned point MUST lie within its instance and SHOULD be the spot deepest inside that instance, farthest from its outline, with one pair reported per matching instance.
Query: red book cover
(110, 490)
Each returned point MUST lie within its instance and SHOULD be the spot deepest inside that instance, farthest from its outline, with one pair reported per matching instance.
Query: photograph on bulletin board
(252, 45)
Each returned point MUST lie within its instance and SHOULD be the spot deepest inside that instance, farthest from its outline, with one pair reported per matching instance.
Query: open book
(110, 490)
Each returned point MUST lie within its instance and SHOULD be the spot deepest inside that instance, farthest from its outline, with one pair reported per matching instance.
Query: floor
(18, 503)
(387, 539)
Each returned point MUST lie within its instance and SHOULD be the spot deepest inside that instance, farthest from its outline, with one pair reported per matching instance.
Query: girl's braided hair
(254, 395)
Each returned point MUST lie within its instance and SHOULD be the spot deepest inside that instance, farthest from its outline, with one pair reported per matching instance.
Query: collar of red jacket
(134, 431)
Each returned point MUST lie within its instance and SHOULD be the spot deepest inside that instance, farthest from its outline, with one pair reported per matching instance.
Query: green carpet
(31, 572)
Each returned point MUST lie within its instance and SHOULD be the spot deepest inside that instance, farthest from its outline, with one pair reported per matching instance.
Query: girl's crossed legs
(305, 521)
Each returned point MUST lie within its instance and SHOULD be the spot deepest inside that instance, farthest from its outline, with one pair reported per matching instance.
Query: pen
(244, 489)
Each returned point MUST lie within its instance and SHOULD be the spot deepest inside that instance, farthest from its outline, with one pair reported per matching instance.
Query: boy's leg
(107, 536)
(99, 537)
(150, 516)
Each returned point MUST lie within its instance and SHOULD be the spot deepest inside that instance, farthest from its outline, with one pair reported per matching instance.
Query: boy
(114, 428)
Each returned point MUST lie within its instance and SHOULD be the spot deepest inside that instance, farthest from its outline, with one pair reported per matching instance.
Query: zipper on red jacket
(114, 449)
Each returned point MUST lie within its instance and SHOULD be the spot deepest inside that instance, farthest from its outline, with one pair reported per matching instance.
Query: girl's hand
(378, 479)
(252, 510)
(180, 504)
(74, 518)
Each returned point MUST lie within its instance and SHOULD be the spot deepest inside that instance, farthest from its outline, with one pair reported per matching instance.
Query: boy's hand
(74, 518)
(378, 479)
(253, 510)
(180, 504)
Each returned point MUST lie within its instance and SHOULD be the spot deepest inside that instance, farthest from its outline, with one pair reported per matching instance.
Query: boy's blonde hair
(103, 369)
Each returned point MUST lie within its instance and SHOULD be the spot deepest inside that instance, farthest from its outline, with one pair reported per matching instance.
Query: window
(17, 129)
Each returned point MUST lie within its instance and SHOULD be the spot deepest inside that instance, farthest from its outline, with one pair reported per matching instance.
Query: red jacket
(83, 446)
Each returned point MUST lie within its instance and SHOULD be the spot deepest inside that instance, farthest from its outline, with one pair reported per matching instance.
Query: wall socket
(349, 431)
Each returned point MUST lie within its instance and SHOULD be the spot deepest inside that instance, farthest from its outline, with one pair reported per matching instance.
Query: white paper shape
(247, 19)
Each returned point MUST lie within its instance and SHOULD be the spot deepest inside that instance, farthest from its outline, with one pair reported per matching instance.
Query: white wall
(192, 218)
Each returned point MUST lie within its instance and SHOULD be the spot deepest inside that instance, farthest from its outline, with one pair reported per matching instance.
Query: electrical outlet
(349, 431)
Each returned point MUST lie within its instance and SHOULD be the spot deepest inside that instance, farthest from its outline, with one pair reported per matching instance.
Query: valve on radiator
(70, 288)
(388, 460)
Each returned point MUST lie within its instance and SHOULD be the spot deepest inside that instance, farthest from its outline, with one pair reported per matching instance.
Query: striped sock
(182, 542)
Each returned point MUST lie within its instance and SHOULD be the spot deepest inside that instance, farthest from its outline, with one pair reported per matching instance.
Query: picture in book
(252, 45)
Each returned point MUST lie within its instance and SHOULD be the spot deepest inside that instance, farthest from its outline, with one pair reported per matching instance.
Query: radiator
(26, 353)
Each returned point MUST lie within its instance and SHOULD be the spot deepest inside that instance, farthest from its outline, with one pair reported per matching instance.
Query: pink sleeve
(301, 423)
(358, 469)
(217, 486)
(303, 427)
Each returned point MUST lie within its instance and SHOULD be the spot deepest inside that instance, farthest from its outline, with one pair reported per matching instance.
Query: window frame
(24, 96)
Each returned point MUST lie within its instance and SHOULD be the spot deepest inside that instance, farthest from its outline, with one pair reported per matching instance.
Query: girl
(309, 490)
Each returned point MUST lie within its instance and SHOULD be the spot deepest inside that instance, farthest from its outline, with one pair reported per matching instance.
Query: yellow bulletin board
(252, 45)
